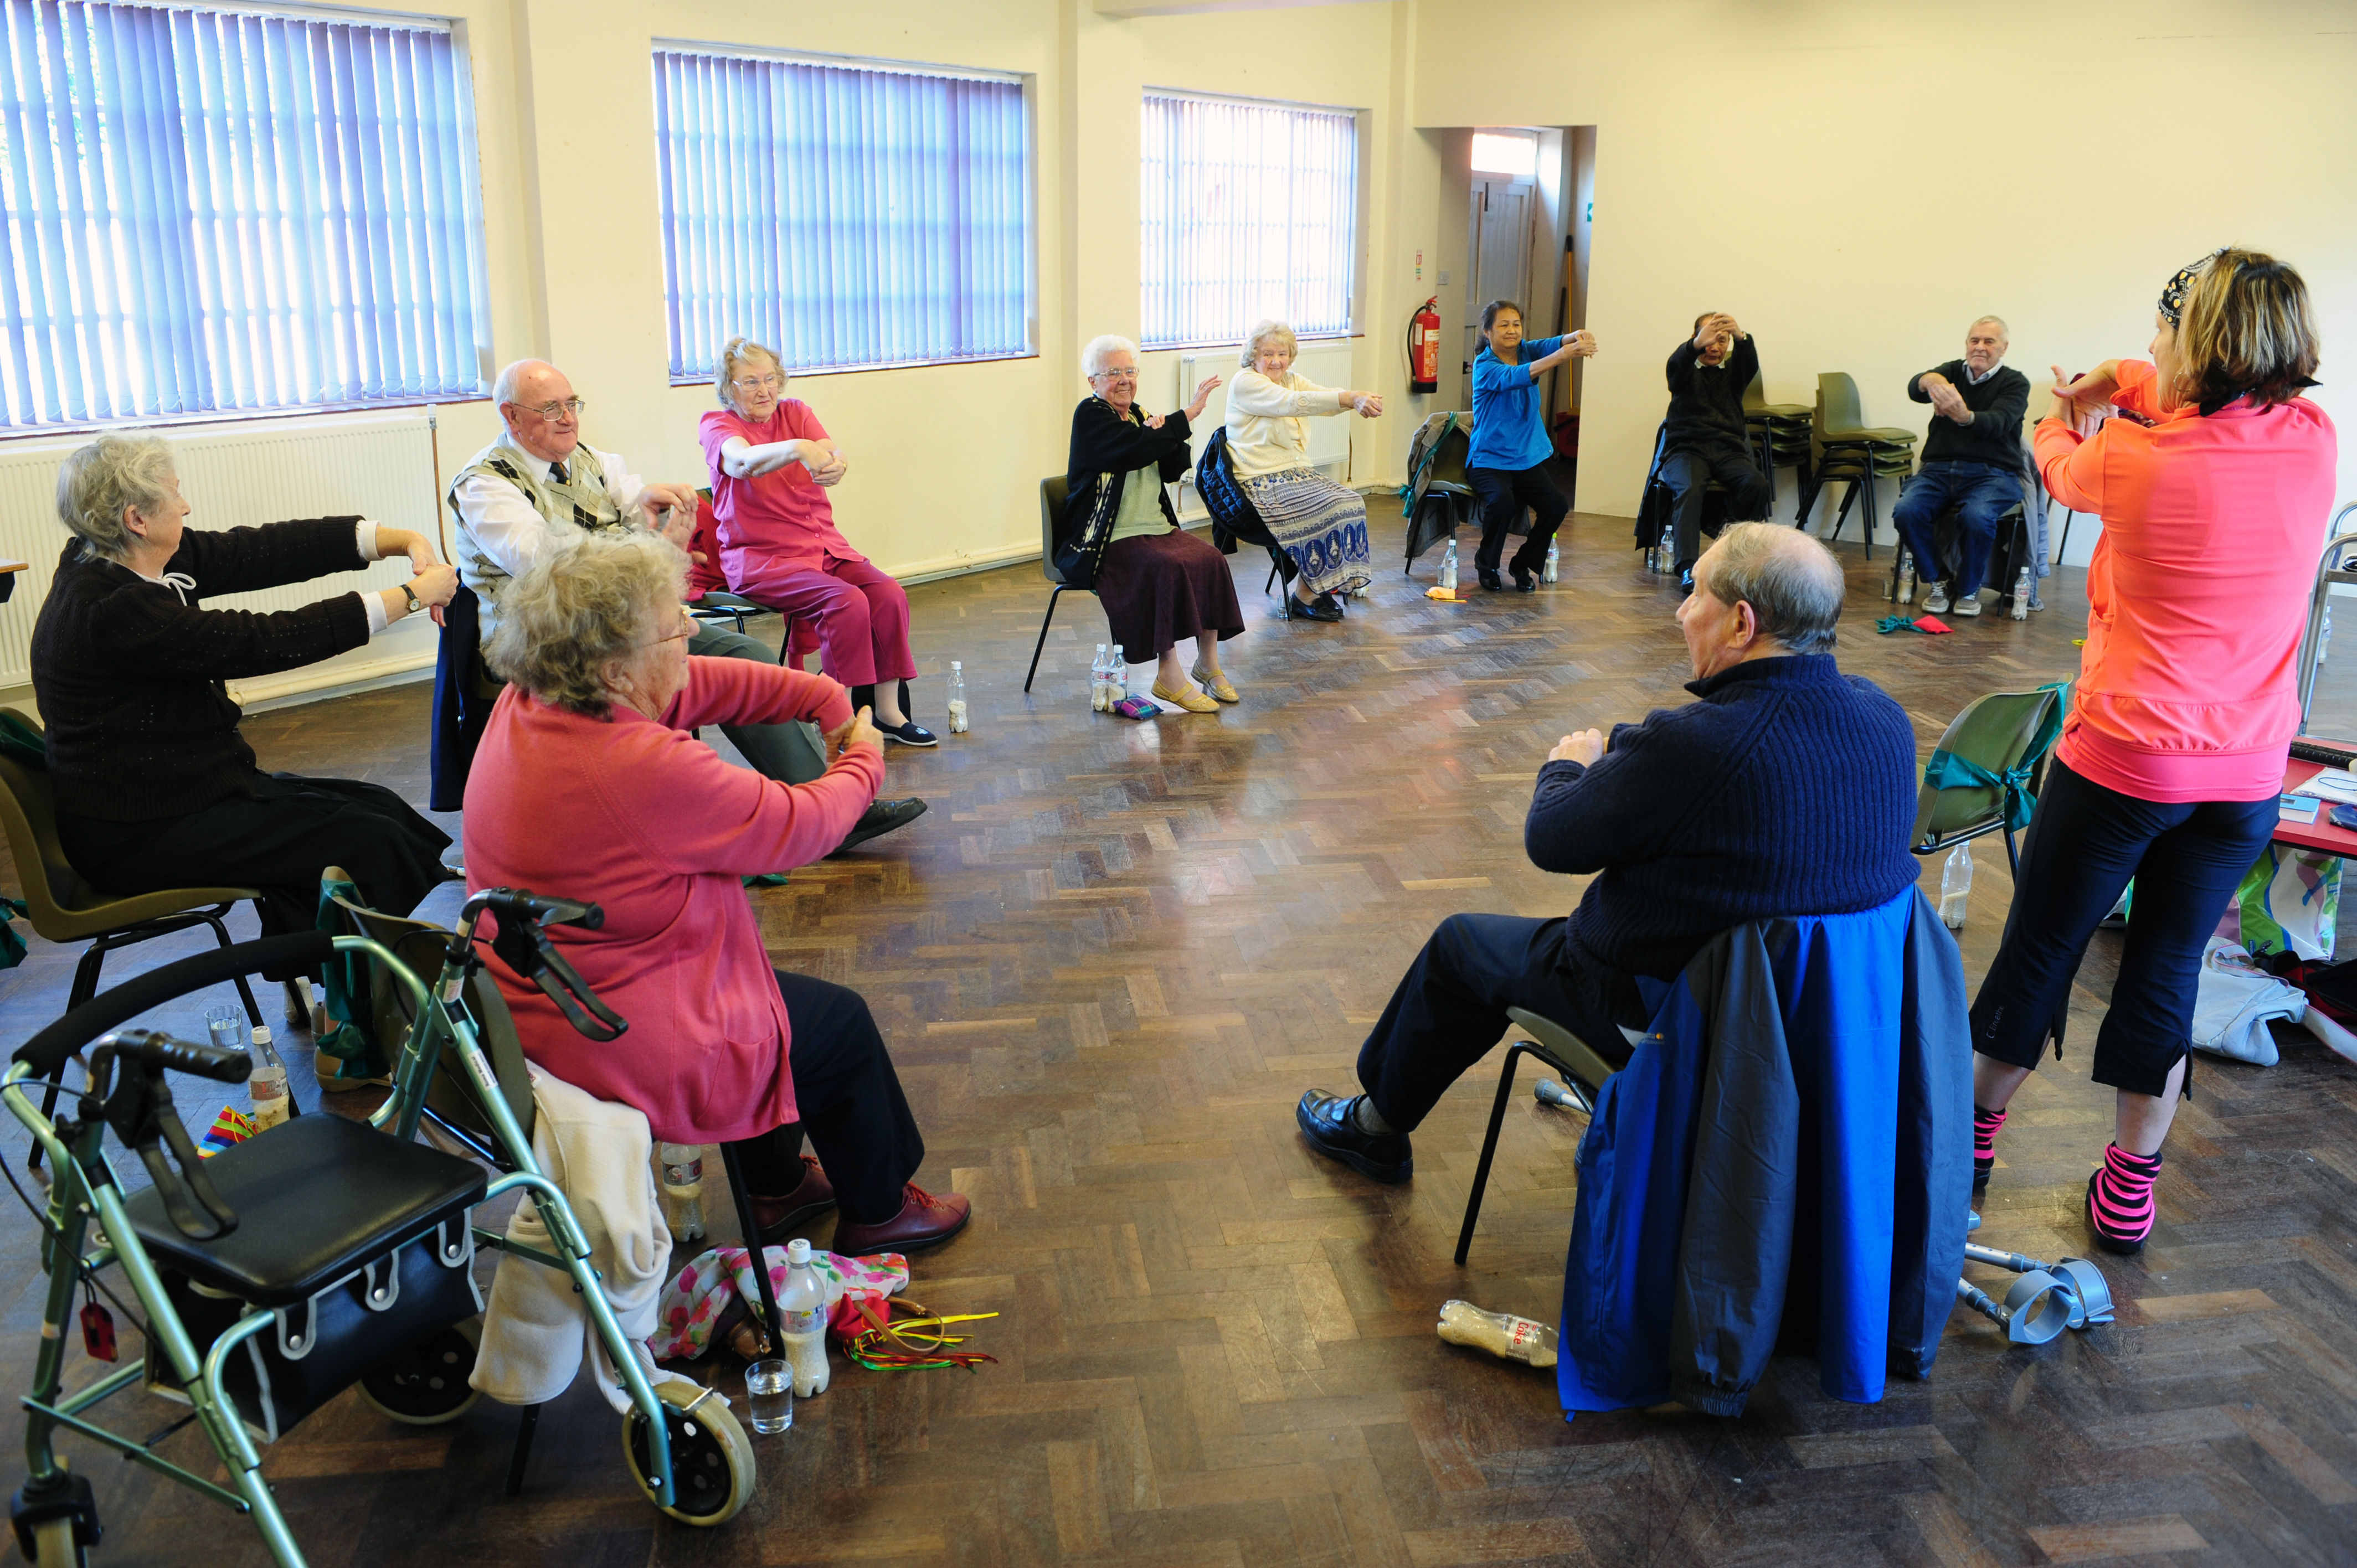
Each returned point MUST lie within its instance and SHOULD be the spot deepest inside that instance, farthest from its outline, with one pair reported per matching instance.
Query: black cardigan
(1106, 449)
(129, 678)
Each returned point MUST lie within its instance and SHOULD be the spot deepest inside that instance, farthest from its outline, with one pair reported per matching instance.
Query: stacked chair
(1781, 437)
(1845, 448)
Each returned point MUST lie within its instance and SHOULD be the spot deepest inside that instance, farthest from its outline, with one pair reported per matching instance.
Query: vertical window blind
(844, 215)
(208, 210)
(1250, 210)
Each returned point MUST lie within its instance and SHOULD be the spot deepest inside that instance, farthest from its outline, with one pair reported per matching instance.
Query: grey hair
(1268, 327)
(504, 386)
(1789, 579)
(735, 351)
(127, 468)
(1098, 350)
(2006, 332)
(581, 604)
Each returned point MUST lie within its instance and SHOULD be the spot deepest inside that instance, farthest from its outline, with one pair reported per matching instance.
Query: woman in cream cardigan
(1321, 526)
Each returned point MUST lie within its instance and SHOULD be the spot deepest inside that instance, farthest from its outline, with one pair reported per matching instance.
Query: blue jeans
(1981, 493)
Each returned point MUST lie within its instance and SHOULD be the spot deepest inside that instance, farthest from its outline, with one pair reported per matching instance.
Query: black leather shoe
(878, 820)
(1489, 579)
(1325, 1122)
(1525, 582)
(1320, 609)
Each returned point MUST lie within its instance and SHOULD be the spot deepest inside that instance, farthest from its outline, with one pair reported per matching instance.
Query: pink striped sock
(1985, 1124)
(2119, 1201)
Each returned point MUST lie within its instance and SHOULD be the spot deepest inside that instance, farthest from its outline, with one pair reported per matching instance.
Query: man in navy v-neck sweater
(1786, 788)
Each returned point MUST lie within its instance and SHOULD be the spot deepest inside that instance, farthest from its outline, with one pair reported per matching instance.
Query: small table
(8, 570)
(2320, 834)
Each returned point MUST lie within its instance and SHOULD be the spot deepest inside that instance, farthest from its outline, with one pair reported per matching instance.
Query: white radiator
(1324, 360)
(379, 466)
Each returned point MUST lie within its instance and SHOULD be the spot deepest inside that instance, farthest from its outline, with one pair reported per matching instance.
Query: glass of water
(770, 1392)
(225, 1022)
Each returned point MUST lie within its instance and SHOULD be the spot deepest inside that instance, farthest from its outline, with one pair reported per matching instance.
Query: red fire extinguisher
(1424, 348)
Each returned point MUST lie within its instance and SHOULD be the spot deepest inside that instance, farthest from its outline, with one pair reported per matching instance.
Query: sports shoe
(1935, 599)
(1970, 604)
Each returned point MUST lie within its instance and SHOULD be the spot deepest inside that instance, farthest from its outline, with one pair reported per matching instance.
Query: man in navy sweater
(1972, 465)
(1705, 439)
(1786, 788)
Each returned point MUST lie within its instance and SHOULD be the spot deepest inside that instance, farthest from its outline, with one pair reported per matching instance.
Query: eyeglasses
(553, 411)
(687, 629)
(1128, 375)
(757, 383)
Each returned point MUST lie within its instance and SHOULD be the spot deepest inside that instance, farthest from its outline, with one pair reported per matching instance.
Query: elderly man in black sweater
(1785, 788)
(1705, 438)
(1972, 465)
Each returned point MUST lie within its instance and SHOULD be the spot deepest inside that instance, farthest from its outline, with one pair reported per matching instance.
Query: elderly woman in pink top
(590, 784)
(2213, 490)
(773, 463)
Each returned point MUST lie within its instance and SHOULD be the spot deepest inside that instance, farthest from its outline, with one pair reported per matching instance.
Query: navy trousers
(2083, 844)
(1450, 1008)
(1689, 471)
(851, 1105)
(1981, 494)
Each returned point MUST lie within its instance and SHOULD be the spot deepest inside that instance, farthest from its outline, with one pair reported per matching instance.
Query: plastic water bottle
(683, 1190)
(1956, 887)
(957, 697)
(1665, 552)
(1906, 578)
(1500, 1333)
(1099, 675)
(1449, 568)
(1554, 555)
(1116, 678)
(2021, 591)
(267, 1085)
(802, 1308)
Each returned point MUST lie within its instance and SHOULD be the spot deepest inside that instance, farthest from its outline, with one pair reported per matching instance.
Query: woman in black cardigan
(1159, 584)
(155, 788)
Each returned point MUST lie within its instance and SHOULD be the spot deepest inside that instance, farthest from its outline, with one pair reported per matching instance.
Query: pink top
(782, 517)
(2198, 591)
(648, 821)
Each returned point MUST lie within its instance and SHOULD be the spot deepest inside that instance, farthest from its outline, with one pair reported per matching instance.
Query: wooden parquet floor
(1110, 959)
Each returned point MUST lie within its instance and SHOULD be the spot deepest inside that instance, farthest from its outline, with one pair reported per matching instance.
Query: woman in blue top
(1507, 464)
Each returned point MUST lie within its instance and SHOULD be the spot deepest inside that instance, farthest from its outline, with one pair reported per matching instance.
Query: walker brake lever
(525, 945)
(138, 1105)
(563, 985)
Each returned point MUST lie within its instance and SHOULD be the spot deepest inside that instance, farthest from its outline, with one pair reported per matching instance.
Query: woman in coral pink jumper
(2213, 490)
(773, 463)
(590, 784)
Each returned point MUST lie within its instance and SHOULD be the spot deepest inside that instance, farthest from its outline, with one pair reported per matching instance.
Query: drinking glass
(225, 1022)
(770, 1395)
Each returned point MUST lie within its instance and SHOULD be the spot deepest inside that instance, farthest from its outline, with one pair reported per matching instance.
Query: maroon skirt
(1158, 589)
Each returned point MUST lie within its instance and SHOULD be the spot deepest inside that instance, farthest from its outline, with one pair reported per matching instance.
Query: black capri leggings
(1505, 492)
(2083, 844)
(851, 1105)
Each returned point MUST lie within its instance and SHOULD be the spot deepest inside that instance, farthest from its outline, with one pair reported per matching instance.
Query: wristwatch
(410, 593)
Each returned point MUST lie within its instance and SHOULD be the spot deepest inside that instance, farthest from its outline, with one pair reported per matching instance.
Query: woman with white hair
(772, 465)
(1320, 526)
(1159, 584)
(156, 787)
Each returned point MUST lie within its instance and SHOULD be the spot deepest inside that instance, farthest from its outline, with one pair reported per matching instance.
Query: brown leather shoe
(923, 1221)
(812, 1196)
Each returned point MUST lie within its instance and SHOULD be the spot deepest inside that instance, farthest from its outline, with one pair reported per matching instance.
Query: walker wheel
(710, 1461)
(426, 1385)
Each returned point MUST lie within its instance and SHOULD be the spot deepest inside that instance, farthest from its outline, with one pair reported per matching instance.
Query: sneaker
(910, 733)
(1970, 604)
(1935, 598)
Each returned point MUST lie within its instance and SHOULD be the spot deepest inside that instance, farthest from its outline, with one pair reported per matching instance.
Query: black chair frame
(1584, 1074)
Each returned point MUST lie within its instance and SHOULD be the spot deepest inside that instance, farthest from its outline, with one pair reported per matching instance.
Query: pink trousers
(861, 613)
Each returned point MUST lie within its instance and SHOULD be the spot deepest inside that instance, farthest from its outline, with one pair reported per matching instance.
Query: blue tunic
(1508, 432)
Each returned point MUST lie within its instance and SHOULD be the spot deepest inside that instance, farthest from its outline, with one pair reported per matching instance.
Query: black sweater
(1787, 788)
(1998, 404)
(1707, 401)
(1106, 443)
(129, 678)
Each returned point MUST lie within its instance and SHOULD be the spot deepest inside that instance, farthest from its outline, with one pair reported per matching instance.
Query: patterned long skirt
(1320, 525)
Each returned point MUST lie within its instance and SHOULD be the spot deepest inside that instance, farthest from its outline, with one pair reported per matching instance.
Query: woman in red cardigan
(590, 783)
(2213, 490)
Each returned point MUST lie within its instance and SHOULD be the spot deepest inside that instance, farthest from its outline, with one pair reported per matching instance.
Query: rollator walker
(321, 1253)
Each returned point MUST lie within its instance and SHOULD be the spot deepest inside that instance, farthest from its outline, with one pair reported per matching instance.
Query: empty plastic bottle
(683, 1190)
(268, 1083)
(1554, 555)
(1448, 567)
(1500, 1333)
(802, 1308)
(1100, 677)
(957, 697)
(1117, 678)
(2021, 592)
(1906, 578)
(1956, 886)
(1665, 552)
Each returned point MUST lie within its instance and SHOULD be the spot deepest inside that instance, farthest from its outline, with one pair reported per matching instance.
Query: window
(1514, 154)
(1250, 210)
(846, 215)
(207, 211)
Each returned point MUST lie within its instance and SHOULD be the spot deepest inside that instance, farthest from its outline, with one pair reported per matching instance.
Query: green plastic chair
(1849, 450)
(1985, 774)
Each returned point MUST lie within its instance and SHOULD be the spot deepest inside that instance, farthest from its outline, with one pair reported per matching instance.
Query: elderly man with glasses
(540, 482)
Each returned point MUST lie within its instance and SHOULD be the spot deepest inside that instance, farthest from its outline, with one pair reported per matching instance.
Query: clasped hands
(1586, 748)
(1945, 399)
(430, 580)
(857, 730)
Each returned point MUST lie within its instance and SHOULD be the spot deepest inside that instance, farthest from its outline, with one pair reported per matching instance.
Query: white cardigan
(1265, 433)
